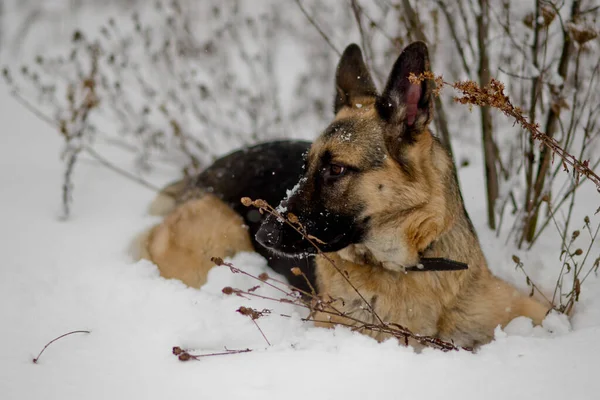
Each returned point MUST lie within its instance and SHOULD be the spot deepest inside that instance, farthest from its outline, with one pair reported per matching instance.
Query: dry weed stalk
(315, 303)
(565, 296)
(492, 95)
(36, 359)
(185, 355)
(573, 264)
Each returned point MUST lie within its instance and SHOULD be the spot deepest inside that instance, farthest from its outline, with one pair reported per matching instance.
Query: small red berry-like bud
(217, 260)
(263, 277)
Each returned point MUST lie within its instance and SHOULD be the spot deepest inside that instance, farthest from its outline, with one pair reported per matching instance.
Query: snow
(58, 276)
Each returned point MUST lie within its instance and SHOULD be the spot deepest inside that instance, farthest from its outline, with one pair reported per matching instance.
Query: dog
(204, 218)
(380, 194)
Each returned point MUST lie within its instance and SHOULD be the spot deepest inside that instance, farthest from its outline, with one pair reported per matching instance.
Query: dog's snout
(269, 237)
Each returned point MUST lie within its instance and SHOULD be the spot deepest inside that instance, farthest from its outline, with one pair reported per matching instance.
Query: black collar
(437, 264)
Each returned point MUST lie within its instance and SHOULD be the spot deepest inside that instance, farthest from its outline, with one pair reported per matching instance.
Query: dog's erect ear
(352, 79)
(408, 107)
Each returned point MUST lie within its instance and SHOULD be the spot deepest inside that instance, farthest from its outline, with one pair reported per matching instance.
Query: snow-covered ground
(59, 276)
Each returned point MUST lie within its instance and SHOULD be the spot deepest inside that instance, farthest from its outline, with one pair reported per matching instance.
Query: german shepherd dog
(380, 193)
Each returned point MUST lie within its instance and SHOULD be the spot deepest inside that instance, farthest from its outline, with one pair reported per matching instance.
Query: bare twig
(441, 121)
(315, 303)
(550, 128)
(91, 152)
(534, 287)
(36, 359)
(452, 27)
(263, 205)
(318, 28)
(491, 173)
(184, 355)
(94, 154)
(493, 95)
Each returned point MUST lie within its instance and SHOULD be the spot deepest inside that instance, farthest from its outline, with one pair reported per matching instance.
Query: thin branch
(184, 355)
(261, 331)
(313, 23)
(263, 205)
(93, 153)
(36, 359)
(452, 26)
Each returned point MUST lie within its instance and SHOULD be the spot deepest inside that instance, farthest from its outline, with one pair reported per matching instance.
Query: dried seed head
(293, 218)
(414, 79)
(263, 277)
(227, 290)
(247, 201)
(582, 33)
(177, 350)
(260, 203)
(548, 14)
(586, 219)
(244, 310)
(217, 260)
(184, 356)
(528, 20)
(575, 235)
(516, 259)
(559, 104)
(296, 271)
(77, 36)
(578, 252)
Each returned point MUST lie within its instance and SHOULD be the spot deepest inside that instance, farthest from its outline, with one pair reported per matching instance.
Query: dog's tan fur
(408, 214)
(414, 212)
(190, 234)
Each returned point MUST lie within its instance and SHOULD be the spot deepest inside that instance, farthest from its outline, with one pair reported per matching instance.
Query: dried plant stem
(493, 95)
(318, 28)
(491, 173)
(263, 205)
(185, 355)
(261, 331)
(550, 129)
(91, 152)
(36, 359)
(315, 303)
(94, 154)
(534, 287)
(441, 121)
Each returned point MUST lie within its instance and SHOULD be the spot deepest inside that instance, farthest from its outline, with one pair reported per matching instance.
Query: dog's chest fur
(396, 297)
(459, 306)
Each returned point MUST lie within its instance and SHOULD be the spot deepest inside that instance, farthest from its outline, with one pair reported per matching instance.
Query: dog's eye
(336, 170)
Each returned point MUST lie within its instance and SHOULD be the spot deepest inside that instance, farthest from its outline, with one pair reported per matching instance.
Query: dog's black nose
(269, 237)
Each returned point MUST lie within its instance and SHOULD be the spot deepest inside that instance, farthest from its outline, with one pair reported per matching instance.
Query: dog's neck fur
(431, 231)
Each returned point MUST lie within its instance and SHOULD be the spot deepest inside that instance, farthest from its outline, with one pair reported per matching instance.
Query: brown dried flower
(263, 277)
(217, 260)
